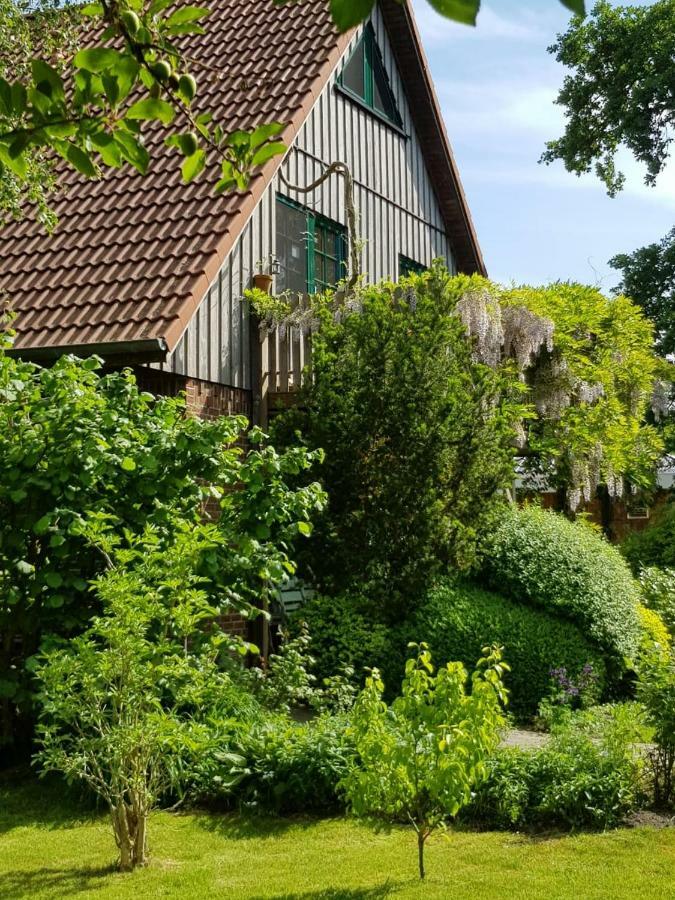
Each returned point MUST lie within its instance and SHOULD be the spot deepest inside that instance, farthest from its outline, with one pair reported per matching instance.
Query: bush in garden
(589, 775)
(457, 619)
(343, 632)
(419, 759)
(417, 436)
(658, 593)
(141, 687)
(539, 557)
(654, 545)
(656, 691)
(75, 444)
(277, 765)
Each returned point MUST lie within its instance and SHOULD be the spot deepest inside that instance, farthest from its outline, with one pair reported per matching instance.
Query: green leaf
(16, 164)
(6, 106)
(305, 528)
(267, 151)
(464, 11)
(132, 150)
(577, 6)
(152, 108)
(98, 59)
(264, 132)
(91, 9)
(128, 464)
(53, 579)
(193, 165)
(80, 159)
(348, 13)
(42, 525)
(47, 80)
(185, 15)
(25, 567)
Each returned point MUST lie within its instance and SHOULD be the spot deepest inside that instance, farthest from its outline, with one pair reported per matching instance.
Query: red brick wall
(620, 524)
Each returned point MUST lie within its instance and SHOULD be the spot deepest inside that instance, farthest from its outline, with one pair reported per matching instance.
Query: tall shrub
(539, 557)
(417, 436)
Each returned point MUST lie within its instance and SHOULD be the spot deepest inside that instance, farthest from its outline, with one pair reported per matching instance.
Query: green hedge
(568, 568)
(343, 631)
(458, 619)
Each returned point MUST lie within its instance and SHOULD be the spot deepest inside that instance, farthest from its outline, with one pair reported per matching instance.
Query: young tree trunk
(123, 838)
(421, 838)
(141, 841)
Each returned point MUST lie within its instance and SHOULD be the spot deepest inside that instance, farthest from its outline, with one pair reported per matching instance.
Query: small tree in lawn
(418, 759)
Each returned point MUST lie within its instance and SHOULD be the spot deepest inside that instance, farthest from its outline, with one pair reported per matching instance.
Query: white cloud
(525, 25)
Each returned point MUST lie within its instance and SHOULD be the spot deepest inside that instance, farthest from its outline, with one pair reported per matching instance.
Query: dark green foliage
(287, 768)
(539, 557)
(648, 278)
(457, 620)
(344, 631)
(655, 545)
(620, 91)
(417, 438)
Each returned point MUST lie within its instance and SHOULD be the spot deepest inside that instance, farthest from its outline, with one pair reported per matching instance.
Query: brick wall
(619, 520)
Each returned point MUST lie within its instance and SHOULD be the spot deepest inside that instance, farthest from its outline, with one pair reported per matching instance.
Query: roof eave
(112, 352)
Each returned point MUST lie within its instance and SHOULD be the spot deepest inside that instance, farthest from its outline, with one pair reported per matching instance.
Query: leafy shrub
(417, 433)
(458, 619)
(343, 632)
(656, 691)
(658, 593)
(585, 777)
(654, 632)
(287, 681)
(280, 766)
(539, 557)
(654, 545)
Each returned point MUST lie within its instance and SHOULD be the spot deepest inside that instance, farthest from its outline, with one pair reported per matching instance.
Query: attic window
(365, 78)
(407, 266)
(310, 249)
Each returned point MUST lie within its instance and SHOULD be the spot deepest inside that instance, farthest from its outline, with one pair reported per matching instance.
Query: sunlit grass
(50, 846)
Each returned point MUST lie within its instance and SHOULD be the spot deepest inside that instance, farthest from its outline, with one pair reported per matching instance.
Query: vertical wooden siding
(397, 208)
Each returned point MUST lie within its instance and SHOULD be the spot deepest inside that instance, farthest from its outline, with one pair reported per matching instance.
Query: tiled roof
(133, 255)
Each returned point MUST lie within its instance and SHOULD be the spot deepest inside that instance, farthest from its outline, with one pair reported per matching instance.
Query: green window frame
(408, 266)
(324, 248)
(370, 85)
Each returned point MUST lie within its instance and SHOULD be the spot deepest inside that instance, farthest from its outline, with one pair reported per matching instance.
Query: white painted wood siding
(397, 207)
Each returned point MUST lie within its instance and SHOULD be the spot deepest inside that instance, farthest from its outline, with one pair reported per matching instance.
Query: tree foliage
(620, 90)
(418, 760)
(75, 443)
(648, 278)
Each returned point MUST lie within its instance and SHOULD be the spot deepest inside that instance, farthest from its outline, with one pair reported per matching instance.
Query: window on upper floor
(407, 266)
(310, 249)
(365, 78)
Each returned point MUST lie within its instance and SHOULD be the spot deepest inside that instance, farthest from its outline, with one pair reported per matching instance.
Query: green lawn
(48, 848)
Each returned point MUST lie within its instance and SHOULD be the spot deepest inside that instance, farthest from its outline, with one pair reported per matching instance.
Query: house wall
(398, 213)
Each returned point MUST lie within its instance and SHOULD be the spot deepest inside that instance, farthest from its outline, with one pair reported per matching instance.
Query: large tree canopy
(620, 92)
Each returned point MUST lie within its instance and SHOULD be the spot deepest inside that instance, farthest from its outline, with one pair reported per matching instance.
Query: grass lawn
(49, 847)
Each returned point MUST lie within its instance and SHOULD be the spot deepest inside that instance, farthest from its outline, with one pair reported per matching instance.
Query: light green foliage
(419, 759)
(539, 557)
(107, 70)
(74, 444)
(589, 775)
(654, 546)
(658, 594)
(656, 691)
(592, 391)
(141, 684)
(457, 619)
(287, 682)
(619, 93)
(415, 467)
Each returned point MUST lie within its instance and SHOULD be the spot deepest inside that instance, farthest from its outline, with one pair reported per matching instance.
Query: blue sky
(496, 84)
